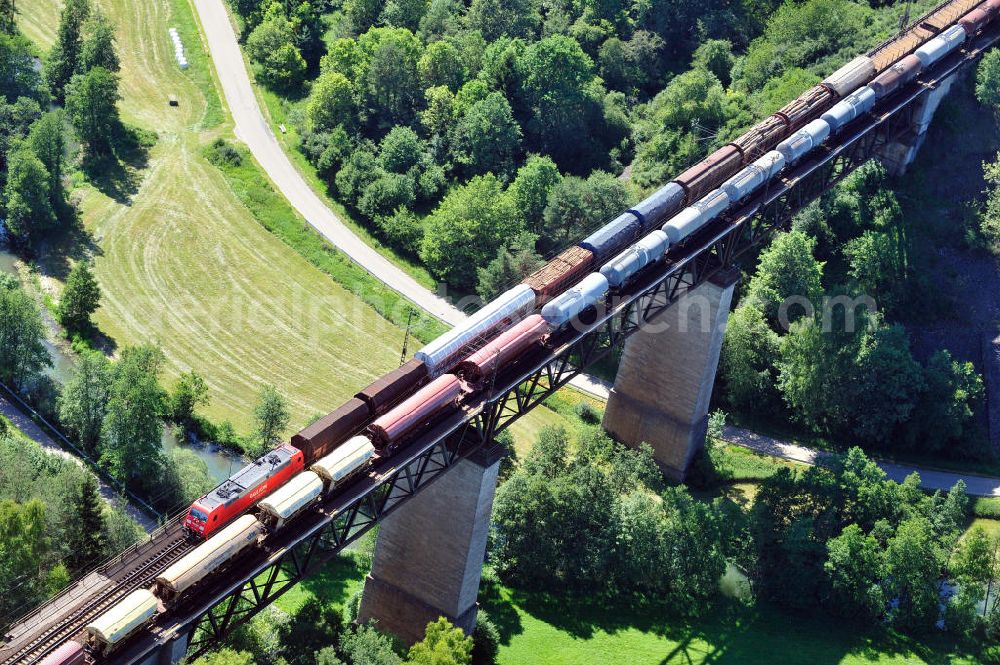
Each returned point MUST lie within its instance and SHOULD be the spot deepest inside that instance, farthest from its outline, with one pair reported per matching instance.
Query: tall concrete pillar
(899, 154)
(664, 383)
(430, 551)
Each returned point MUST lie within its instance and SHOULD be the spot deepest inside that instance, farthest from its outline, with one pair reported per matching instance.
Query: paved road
(252, 128)
(930, 479)
(37, 434)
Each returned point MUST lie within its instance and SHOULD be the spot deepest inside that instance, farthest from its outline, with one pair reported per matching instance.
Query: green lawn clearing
(543, 630)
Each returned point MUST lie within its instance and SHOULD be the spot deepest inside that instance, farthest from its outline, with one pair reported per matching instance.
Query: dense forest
(483, 136)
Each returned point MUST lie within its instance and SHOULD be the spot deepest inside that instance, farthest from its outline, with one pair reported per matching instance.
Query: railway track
(139, 575)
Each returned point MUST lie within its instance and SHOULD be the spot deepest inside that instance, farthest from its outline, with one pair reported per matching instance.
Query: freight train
(344, 445)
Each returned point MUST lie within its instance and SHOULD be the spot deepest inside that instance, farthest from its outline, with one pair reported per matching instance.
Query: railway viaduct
(433, 500)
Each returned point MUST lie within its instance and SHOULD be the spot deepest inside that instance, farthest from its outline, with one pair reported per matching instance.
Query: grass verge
(273, 212)
(199, 65)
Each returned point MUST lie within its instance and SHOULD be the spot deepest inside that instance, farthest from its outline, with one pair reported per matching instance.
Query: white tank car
(647, 250)
(695, 216)
(588, 292)
(940, 46)
(804, 140)
(208, 557)
(107, 631)
(290, 499)
(344, 462)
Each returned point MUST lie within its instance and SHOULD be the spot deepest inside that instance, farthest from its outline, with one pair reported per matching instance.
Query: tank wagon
(395, 409)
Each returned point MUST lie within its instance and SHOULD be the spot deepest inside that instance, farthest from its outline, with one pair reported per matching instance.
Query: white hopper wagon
(108, 631)
(208, 557)
(290, 499)
(347, 460)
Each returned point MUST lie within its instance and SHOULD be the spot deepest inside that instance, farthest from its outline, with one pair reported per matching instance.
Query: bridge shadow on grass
(336, 580)
(730, 633)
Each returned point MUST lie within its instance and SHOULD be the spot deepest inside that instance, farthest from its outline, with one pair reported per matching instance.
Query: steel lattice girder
(711, 250)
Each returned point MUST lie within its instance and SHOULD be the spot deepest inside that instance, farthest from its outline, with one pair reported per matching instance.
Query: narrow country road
(38, 435)
(252, 129)
(930, 479)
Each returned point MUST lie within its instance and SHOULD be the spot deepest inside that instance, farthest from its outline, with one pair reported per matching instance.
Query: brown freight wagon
(386, 391)
(896, 76)
(331, 430)
(710, 172)
(560, 273)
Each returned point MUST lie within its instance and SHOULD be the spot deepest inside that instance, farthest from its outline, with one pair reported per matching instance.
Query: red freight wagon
(384, 392)
(414, 413)
(504, 349)
(243, 489)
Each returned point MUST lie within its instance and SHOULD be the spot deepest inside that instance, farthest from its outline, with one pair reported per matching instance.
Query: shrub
(587, 413)
(485, 640)
(223, 153)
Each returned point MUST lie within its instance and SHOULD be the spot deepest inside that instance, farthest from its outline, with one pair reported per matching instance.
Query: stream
(220, 461)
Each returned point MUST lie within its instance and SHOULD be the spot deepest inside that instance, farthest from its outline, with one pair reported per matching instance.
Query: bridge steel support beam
(664, 383)
(429, 553)
(897, 155)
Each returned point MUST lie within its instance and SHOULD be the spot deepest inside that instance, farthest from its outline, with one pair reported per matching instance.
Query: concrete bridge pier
(430, 551)
(664, 383)
(898, 155)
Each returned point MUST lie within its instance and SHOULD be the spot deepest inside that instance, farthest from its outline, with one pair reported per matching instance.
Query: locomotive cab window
(198, 515)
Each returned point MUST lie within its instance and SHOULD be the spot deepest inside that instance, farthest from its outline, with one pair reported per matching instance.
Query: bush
(223, 153)
(485, 640)
(587, 413)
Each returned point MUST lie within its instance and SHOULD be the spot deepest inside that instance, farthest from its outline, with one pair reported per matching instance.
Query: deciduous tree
(132, 429)
(270, 417)
(443, 644)
(190, 391)
(855, 566)
(531, 188)
(92, 105)
(487, 137)
(84, 399)
(30, 214)
(22, 350)
(465, 229)
(331, 102)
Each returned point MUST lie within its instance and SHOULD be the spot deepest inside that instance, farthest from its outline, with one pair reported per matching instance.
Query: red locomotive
(243, 489)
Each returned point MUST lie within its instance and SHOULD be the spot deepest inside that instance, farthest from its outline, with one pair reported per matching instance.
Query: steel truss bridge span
(255, 580)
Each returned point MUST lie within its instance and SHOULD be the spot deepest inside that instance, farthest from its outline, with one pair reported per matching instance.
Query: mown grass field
(183, 262)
